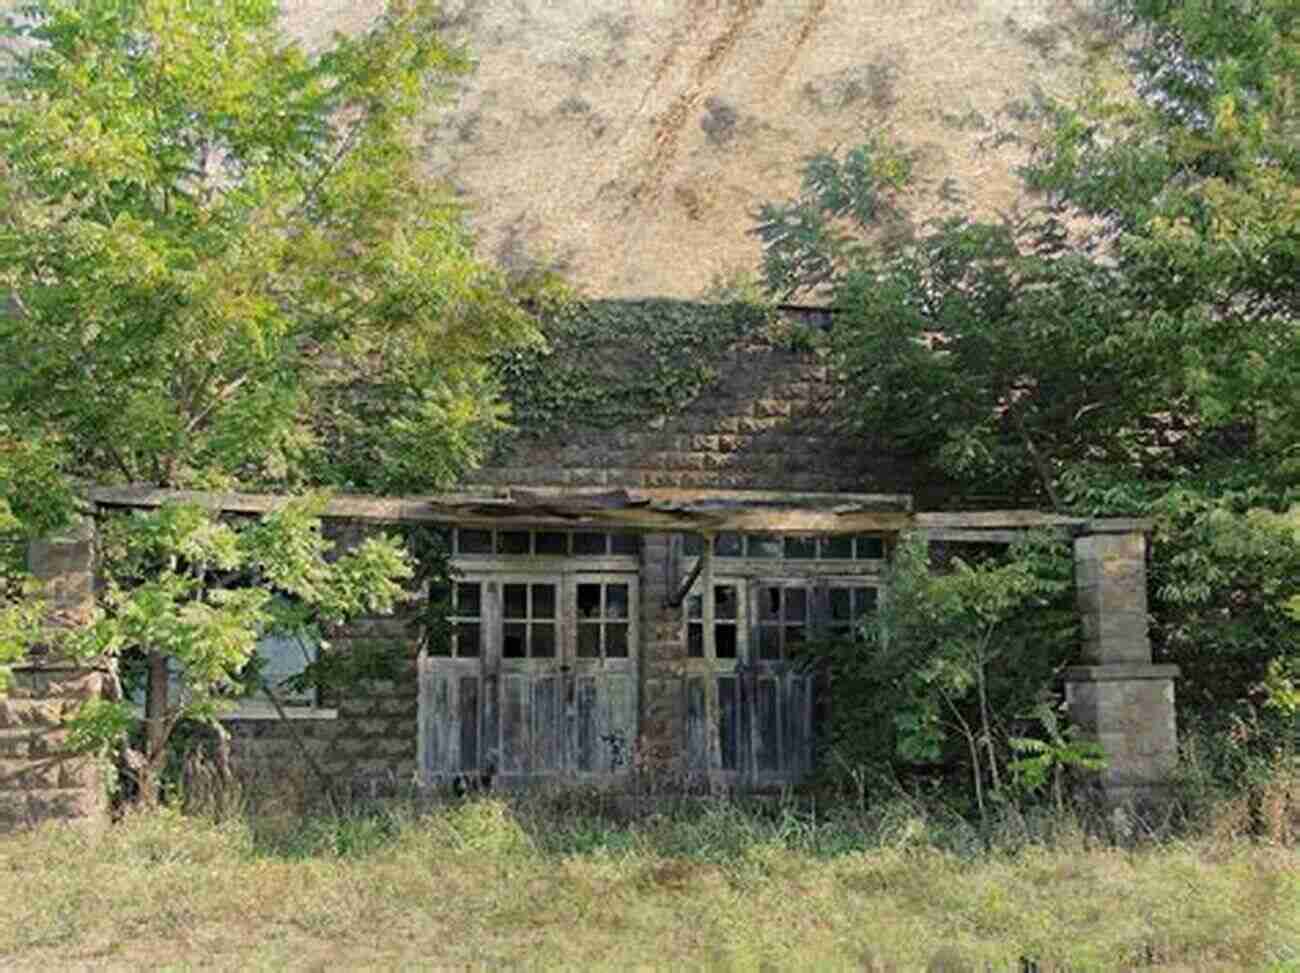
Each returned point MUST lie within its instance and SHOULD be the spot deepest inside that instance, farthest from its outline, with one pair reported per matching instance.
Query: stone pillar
(1116, 695)
(662, 711)
(38, 781)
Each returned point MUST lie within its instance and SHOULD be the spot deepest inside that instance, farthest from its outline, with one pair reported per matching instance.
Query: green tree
(1128, 343)
(223, 265)
(196, 593)
(226, 263)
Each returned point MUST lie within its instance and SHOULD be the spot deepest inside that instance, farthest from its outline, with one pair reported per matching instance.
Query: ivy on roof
(608, 363)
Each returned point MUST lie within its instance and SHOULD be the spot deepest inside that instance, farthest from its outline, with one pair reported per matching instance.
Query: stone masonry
(662, 709)
(1117, 695)
(39, 781)
(768, 422)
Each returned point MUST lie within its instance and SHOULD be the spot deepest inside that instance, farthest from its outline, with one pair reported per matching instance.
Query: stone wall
(768, 422)
(39, 780)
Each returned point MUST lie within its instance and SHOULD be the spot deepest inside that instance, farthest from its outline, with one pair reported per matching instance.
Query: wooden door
(540, 680)
(748, 705)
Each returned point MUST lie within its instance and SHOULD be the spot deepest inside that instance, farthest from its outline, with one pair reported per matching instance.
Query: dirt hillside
(627, 142)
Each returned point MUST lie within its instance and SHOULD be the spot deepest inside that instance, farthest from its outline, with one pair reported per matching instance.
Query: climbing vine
(606, 363)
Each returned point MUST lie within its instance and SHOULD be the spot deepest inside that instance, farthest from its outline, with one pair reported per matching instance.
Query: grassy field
(487, 882)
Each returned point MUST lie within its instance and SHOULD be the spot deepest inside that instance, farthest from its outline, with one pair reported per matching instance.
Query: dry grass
(554, 885)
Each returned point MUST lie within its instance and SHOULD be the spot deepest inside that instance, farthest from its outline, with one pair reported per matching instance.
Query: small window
(783, 615)
(603, 619)
(723, 618)
(800, 548)
(514, 542)
(624, 543)
(763, 545)
(473, 541)
(590, 543)
(727, 545)
(465, 618)
(528, 614)
(551, 542)
(869, 548)
(850, 607)
(836, 547)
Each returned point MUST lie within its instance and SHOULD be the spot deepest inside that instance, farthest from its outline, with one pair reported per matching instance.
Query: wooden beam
(667, 510)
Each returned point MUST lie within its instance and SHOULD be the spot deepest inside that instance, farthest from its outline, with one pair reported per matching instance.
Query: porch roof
(690, 511)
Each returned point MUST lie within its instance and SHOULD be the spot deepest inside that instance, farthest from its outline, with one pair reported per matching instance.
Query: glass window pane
(763, 545)
(513, 542)
(692, 545)
(543, 601)
(769, 604)
(467, 639)
(837, 546)
(589, 601)
(469, 598)
(724, 641)
(474, 541)
(841, 606)
(516, 600)
(727, 545)
(695, 606)
(800, 548)
(514, 641)
(725, 601)
(794, 634)
(695, 640)
(589, 640)
(796, 604)
(871, 548)
(624, 543)
(616, 640)
(769, 641)
(587, 543)
(551, 542)
(616, 600)
(864, 601)
(543, 640)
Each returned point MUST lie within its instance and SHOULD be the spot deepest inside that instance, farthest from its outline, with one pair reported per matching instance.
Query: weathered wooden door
(748, 705)
(540, 680)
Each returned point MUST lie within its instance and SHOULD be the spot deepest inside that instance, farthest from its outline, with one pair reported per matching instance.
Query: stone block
(1129, 709)
(371, 727)
(28, 774)
(49, 742)
(1125, 592)
(399, 707)
(79, 772)
(14, 743)
(357, 707)
(397, 746)
(586, 476)
(13, 810)
(349, 746)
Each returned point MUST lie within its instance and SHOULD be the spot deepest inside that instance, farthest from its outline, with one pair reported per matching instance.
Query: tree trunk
(155, 728)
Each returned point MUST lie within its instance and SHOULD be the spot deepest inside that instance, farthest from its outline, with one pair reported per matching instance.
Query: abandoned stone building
(627, 145)
(628, 599)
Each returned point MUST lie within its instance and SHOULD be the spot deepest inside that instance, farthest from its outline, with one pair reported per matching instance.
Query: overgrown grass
(571, 880)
